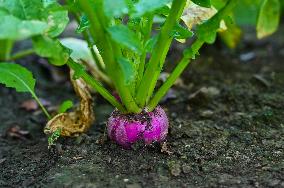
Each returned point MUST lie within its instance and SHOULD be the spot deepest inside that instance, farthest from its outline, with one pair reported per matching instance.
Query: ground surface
(228, 134)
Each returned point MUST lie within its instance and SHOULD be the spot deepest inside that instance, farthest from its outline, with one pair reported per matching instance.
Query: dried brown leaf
(29, 105)
(79, 121)
(17, 133)
(195, 15)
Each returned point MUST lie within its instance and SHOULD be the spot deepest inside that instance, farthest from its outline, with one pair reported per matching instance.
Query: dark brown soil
(228, 134)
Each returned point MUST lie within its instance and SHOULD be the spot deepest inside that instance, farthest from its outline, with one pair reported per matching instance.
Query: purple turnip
(127, 129)
(133, 62)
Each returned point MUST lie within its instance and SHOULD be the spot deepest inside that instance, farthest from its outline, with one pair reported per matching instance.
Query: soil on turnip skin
(226, 130)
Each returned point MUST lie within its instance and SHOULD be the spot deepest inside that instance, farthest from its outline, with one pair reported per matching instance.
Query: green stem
(96, 85)
(96, 73)
(148, 30)
(21, 54)
(41, 106)
(86, 36)
(175, 74)
(108, 50)
(188, 54)
(5, 49)
(159, 54)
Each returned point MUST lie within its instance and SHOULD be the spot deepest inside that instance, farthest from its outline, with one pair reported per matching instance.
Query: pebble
(126, 180)
(247, 56)
(206, 113)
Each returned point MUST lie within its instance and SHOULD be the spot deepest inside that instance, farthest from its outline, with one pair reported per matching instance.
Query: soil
(226, 129)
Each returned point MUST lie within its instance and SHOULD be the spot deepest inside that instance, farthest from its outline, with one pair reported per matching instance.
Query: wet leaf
(78, 121)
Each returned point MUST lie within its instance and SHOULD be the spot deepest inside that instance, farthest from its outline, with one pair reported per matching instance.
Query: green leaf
(66, 105)
(268, 19)
(83, 25)
(179, 32)
(246, 12)
(57, 21)
(147, 6)
(24, 9)
(53, 138)
(15, 29)
(208, 31)
(126, 37)
(203, 3)
(47, 12)
(56, 53)
(231, 36)
(79, 48)
(115, 8)
(129, 72)
(149, 46)
(218, 4)
(17, 77)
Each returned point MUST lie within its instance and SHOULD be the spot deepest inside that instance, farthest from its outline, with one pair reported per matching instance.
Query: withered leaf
(195, 15)
(17, 133)
(29, 105)
(78, 121)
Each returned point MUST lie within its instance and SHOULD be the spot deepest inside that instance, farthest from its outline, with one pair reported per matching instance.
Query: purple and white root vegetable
(126, 129)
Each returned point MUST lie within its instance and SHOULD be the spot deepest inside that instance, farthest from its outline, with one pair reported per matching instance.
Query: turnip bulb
(127, 129)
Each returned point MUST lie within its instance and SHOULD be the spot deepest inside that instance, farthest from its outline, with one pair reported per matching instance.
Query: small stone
(247, 56)
(2, 160)
(186, 168)
(126, 180)
(204, 94)
(173, 115)
(206, 113)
